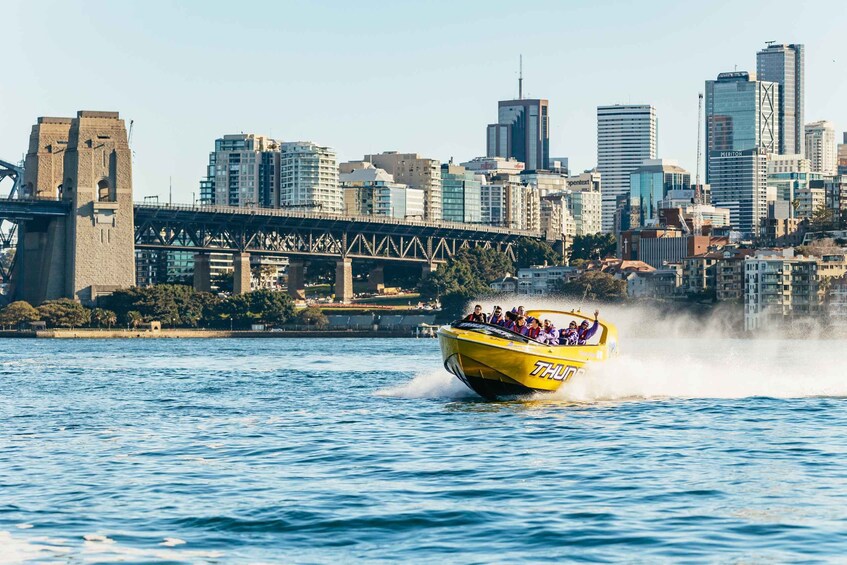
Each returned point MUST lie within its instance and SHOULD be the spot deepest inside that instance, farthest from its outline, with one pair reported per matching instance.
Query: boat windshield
(496, 331)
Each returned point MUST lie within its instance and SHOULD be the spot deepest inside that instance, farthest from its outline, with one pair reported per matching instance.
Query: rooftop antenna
(520, 78)
(769, 43)
(170, 191)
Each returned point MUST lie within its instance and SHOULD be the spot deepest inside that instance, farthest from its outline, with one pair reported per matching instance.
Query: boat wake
(437, 383)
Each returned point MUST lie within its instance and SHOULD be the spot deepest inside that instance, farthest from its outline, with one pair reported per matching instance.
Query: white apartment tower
(308, 178)
(821, 149)
(626, 137)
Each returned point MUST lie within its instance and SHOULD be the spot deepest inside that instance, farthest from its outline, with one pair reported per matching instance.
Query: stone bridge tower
(91, 251)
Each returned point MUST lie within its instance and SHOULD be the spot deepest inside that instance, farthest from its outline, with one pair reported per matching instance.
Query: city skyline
(199, 77)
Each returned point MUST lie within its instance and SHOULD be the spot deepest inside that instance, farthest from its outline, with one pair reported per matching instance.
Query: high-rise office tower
(820, 147)
(650, 183)
(308, 178)
(626, 137)
(242, 171)
(522, 131)
(741, 129)
(784, 64)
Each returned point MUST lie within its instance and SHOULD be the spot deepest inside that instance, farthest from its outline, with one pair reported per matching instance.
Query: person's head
(546, 324)
(521, 321)
(477, 309)
(511, 316)
(572, 325)
(498, 311)
(534, 323)
(520, 310)
(584, 324)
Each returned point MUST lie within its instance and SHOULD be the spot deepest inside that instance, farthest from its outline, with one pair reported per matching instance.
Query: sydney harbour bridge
(72, 233)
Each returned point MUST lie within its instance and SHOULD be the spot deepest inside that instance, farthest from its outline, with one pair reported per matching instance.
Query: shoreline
(200, 334)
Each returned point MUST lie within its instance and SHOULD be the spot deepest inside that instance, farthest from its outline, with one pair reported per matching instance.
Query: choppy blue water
(340, 450)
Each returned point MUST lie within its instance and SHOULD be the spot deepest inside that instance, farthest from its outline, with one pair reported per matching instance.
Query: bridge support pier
(202, 273)
(427, 269)
(344, 281)
(241, 273)
(297, 279)
(376, 279)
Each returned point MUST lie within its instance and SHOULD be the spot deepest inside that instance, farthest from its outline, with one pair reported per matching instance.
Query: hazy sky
(369, 76)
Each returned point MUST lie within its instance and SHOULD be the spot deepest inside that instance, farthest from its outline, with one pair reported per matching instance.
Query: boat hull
(496, 363)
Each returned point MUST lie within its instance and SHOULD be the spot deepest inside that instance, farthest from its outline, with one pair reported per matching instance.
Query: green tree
(103, 317)
(268, 306)
(595, 285)
(485, 264)
(312, 316)
(594, 246)
(134, 318)
(175, 305)
(457, 275)
(530, 251)
(17, 313)
(64, 313)
(822, 219)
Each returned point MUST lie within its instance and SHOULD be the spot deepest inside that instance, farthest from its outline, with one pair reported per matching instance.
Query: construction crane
(697, 217)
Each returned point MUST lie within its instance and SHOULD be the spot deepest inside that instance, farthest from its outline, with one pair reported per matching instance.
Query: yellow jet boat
(495, 362)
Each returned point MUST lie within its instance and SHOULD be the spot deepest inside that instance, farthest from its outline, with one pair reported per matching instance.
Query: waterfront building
(777, 287)
(308, 179)
(159, 266)
(820, 147)
(494, 166)
(785, 65)
(651, 183)
(415, 172)
(836, 303)
(522, 132)
(741, 114)
(664, 282)
(460, 194)
(243, 171)
(542, 280)
(626, 137)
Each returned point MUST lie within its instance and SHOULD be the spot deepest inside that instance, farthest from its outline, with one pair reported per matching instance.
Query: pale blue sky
(369, 76)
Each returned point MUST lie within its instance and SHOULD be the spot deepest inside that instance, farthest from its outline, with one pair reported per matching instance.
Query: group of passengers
(540, 330)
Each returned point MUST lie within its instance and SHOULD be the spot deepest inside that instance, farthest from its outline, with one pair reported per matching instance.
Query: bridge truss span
(310, 235)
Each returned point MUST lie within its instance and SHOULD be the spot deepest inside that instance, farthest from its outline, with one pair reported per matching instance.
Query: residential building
(778, 287)
(836, 303)
(494, 166)
(308, 178)
(649, 184)
(741, 114)
(505, 201)
(507, 284)
(243, 171)
(789, 174)
(626, 137)
(842, 156)
(460, 194)
(808, 200)
(546, 182)
(785, 65)
(557, 221)
(659, 246)
(585, 202)
(541, 280)
(522, 132)
(658, 283)
(820, 147)
(835, 189)
(415, 172)
(372, 191)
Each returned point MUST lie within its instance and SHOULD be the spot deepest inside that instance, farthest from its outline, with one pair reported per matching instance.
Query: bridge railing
(288, 213)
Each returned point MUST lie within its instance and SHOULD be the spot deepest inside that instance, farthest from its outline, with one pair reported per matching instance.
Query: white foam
(432, 384)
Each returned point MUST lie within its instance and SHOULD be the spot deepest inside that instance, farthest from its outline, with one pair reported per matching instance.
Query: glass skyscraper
(741, 129)
(522, 131)
(626, 137)
(784, 65)
(649, 184)
(460, 195)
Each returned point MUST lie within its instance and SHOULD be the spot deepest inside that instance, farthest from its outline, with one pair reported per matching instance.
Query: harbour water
(341, 449)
